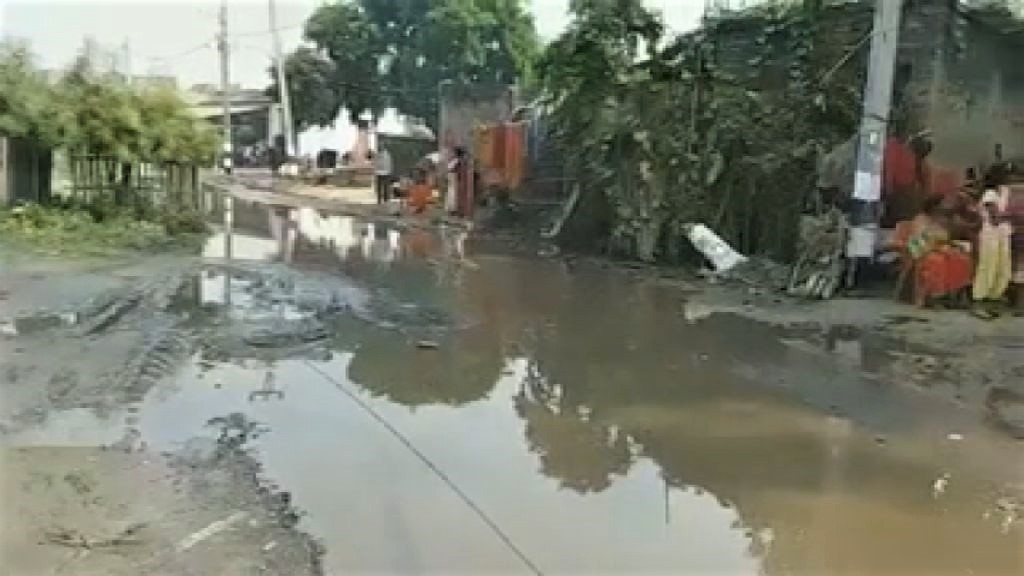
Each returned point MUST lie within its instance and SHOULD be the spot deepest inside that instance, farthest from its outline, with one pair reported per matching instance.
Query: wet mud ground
(318, 394)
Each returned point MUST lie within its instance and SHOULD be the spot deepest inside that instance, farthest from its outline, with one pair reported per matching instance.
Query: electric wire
(404, 440)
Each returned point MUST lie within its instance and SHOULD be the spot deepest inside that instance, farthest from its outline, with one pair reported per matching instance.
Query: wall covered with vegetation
(723, 125)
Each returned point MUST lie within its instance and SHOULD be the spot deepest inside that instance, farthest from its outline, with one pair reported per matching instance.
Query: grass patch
(100, 230)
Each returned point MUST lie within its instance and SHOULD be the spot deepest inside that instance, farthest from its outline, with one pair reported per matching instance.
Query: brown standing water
(594, 422)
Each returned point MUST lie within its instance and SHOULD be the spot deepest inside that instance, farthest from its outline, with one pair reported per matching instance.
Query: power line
(268, 31)
(431, 465)
(188, 52)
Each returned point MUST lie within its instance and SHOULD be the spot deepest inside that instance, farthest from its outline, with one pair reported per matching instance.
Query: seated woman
(420, 194)
(940, 269)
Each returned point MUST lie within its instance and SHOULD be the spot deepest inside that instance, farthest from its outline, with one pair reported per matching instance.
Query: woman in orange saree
(420, 194)
(941, 268)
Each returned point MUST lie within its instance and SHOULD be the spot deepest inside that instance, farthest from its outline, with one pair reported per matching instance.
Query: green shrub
(97, 229)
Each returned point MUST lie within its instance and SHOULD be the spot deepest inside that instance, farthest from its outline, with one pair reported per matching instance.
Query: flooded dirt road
(434, 407)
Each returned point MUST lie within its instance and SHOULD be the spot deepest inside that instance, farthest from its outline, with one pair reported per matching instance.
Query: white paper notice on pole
(861, 241)
(867, 186)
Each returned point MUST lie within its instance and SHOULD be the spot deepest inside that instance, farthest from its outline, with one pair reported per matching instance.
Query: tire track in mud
(156, 328)
(103, 354)
(145, 333)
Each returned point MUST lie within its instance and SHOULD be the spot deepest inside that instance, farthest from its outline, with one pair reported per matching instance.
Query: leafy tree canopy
(27, 103)
(374, 54)
(96, 114)
(662, 134)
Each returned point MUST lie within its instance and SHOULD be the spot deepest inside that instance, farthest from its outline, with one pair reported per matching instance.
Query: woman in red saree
(940, 267)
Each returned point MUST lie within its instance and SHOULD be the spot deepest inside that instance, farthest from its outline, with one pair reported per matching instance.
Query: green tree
(104, 116)
(655, 131)
(171, 133)
(614, 120)
(314, 93)
(28, 105)
(396, 52)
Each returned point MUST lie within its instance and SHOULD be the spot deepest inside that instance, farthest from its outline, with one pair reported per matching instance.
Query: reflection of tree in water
(608, 378)
(464, 367)
(582, 454)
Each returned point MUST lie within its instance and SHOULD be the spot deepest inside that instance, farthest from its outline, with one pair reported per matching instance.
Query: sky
(176, 37)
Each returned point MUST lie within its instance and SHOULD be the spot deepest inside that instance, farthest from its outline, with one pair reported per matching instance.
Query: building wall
(957, 74)
(4, 199)
(977, 97)
(463, 108)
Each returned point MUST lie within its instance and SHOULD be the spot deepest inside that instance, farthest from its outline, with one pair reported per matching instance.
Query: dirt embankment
(113, 511)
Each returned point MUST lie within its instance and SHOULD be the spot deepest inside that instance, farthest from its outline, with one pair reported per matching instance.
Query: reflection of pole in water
(229, 222)
(291, 235)
(286, 221)
(394, 238)
(664, 481)
(367, 240)
(267, 391)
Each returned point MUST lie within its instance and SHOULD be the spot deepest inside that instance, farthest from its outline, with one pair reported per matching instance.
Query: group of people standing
(459, 182)
(968, 247)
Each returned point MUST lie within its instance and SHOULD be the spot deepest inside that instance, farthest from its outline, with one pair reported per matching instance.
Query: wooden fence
(99, 179)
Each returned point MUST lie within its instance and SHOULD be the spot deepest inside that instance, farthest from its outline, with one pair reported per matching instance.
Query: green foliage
(94, 230)
(28, 107)
(345, 37)
(183, 220)
(374, 54)
(92, 114)
(667, 137)
(314, 93)
(171, 133)
(105, 117)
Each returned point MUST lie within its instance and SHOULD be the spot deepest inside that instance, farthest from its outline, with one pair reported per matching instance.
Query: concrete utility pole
(292, 145)
(867, 184)
(126, 54)
(225, 85)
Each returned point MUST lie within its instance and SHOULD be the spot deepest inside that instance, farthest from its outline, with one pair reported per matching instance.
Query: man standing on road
(382, 169)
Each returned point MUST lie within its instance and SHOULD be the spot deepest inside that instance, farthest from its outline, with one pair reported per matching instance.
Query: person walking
(382, 169)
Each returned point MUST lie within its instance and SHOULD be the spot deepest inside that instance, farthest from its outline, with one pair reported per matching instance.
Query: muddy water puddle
(570, 420)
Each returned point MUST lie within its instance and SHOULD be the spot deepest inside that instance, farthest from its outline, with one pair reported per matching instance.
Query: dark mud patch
(879, 353)
(1005, 410)
(36, 322)
(122, 512)
(226, 466)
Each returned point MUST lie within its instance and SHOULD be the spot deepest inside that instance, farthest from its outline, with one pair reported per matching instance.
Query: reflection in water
(462, 370)
(604, 426)
(582, 454)
(379, 509)
(267, 391)
(345, 236)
